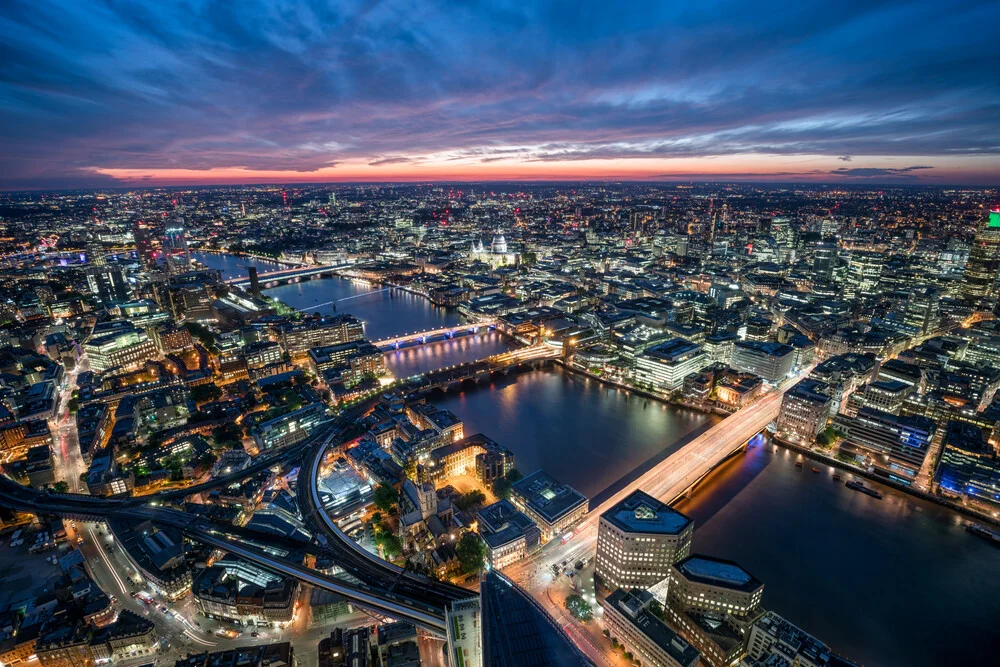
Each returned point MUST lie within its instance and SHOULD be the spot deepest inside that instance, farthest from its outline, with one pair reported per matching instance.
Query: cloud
(390, 160)
(301, 86)
(875, 172)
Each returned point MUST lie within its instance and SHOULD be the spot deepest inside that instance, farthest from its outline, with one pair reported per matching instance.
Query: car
(163, 609)
(255, 634)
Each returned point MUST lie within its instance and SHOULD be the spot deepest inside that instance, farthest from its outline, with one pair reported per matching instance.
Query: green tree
(470, 499)
(60, 487)
(204, 393)
(471, 553)
(502, 485)
(387, 541)
(579, 607)
(385, 497)
(228, 435)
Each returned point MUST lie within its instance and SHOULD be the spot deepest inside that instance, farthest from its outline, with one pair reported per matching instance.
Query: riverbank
(860, 472)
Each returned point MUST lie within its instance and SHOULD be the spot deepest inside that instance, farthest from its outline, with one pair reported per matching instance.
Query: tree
(203, 393)
(470, 499)
(471, 553)
(202, 333)
(389, 543)
(385, 497)
(502, 485)
(228, 435)
(579, 607)
(208, 459)
(60, 487)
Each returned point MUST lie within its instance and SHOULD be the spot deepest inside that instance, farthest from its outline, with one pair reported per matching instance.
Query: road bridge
(434, 335)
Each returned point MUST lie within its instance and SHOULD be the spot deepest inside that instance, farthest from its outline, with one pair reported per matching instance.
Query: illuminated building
(969, 466)
(554, 506)
(713, 602)
(638, 540)
(894, 445)
(982, 269)
(771, 361)
(665, 366)
(629, 620)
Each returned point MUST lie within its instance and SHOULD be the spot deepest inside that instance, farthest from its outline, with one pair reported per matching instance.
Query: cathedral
(497, 255)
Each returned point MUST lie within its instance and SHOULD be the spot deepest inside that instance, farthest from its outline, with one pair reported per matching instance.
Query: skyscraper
(824, 261)
(863, 274)
(143, 244)
(983, 267)
(108, 283)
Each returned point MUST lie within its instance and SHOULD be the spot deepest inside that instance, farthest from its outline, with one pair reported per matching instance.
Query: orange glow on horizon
(806, 168)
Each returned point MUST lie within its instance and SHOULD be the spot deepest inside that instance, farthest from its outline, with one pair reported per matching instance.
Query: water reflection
(867, 576)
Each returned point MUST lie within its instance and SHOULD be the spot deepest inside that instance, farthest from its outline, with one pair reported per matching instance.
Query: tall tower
(143, 244)
(983, 266)
(254, 281)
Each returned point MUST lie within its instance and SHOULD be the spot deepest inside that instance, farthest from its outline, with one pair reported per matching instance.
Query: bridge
(483, 370)
(282, 276)
(433, 335)
(670, 480)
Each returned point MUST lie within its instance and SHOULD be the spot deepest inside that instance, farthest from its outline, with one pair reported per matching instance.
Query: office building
(108, 283)
(553, 506)
(663, 367)
(289, 428)
(864, 272)
(296, 339)
(774, 642)
(824, 261)
(713, 602)
(638, 540)
(969, 466)
(894, 446)
(887, 396)
(123, 350)
(508, 533)
(923, 310)
(805, 410)
(982, 270)
(769, 360)
(629, 620)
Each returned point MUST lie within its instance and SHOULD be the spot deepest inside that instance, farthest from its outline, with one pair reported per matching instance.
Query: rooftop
(548, 497)
(717, 572)
(642, 513)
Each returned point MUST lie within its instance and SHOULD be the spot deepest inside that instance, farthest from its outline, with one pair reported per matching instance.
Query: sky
(108, 93)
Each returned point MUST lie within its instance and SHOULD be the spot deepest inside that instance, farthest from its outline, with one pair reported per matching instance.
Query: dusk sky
(105, 93)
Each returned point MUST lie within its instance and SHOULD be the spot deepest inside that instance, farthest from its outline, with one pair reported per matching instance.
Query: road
(668, 481)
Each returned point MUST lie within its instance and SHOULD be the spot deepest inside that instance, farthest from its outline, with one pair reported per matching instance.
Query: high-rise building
(864, 271)
(805, 409)
(923, 309)
(516, 630)
(175, 244)
(638, 540)
(108, 283)
(824, 261)
(982, 270)
(95, 254)
(143, 244)
(254, 281)
(713, 602)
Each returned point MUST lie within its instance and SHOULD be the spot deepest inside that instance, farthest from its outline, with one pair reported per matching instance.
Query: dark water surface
(896, 581)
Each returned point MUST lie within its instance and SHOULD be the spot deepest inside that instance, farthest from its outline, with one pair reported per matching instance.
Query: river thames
(885, 582)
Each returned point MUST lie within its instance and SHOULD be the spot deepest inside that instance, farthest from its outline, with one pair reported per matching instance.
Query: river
(890, 582)
(585, 434)
(886, 582)
(231, 266)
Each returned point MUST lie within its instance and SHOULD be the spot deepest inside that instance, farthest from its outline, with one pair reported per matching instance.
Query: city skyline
(111, 97)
